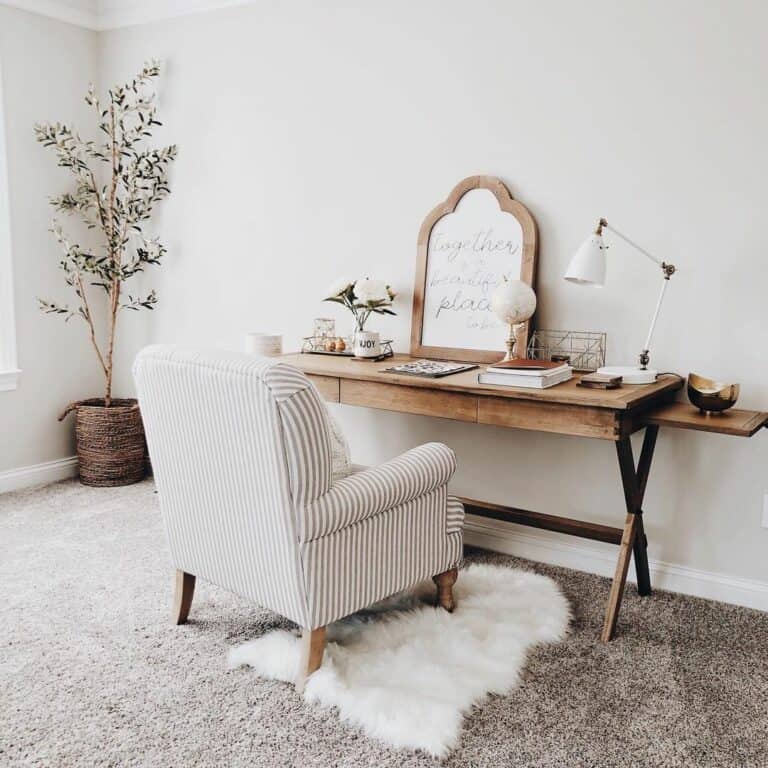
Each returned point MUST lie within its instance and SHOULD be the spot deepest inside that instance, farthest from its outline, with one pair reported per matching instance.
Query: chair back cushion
(238, 444)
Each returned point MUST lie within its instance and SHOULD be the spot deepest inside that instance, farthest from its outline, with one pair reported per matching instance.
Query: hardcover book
(528, 367)
(524, 364)
(533, 382)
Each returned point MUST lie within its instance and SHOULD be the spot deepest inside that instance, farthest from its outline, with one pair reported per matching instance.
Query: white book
(541, 372)
(532, 382)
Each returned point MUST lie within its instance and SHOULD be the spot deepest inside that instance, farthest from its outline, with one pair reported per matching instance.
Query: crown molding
(54, 9)
(115, 14)
(129, 14)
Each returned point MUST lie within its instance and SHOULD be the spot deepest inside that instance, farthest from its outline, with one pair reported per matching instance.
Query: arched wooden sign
(467, 245)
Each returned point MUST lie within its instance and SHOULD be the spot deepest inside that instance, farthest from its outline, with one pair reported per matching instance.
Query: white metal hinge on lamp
(587, 267)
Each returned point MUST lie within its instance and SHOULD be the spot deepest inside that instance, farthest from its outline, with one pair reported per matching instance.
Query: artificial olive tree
(118, 180)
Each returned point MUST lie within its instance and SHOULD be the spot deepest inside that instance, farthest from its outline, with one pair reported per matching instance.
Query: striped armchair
(241, 453)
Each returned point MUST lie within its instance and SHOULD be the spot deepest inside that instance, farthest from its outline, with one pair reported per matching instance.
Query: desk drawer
(579, 420)
(328, 386)
(394, 397)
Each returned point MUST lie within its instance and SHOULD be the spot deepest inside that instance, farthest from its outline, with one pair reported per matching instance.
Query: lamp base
(630, 374)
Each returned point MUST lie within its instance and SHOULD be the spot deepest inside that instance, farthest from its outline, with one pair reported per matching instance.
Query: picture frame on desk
(467, 245)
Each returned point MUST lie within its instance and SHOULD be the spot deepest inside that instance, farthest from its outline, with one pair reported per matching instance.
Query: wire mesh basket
(583, 350)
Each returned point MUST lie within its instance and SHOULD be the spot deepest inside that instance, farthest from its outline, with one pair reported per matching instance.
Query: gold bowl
(711, 396)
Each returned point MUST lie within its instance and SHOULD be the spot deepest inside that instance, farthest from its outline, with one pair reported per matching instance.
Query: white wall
(314, 138)
(46, 66)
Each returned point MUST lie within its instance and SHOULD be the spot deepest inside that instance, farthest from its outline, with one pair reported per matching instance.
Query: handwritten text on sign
(468, 253)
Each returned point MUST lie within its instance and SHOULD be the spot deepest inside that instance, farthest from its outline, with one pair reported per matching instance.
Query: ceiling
(112, 14)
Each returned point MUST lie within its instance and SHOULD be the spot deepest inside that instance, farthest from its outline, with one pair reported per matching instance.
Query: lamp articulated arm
(667, 269)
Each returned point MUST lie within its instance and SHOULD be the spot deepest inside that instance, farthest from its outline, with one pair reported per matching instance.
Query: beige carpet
(93, 674)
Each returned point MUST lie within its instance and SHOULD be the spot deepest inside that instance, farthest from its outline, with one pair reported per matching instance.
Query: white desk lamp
(587, 267)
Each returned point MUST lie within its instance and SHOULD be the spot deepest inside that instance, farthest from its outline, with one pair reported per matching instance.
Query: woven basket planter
(111, 448)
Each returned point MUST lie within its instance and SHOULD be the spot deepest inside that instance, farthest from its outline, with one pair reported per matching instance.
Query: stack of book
(538, 374)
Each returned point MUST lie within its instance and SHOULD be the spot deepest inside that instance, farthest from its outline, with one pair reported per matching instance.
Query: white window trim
(9, 371)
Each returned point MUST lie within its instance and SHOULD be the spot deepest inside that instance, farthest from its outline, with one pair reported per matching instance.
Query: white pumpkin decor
(513, 302)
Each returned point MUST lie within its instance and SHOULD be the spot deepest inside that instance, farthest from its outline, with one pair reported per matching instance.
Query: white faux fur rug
(407, 672)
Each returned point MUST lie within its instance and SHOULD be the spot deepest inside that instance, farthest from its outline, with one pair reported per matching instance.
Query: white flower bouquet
(362, 298)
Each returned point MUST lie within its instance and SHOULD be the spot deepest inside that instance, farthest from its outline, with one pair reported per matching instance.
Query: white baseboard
(38, 474)
(510, 539)
(558, 549)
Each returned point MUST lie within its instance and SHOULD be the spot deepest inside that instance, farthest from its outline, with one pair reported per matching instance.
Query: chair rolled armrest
(372, 491)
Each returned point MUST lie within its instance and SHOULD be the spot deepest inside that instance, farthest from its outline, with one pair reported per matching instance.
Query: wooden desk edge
(735, 422)
(487, 406)
(365, 372)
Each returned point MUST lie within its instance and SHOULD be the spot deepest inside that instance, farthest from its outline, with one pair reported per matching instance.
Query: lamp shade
(587, 266)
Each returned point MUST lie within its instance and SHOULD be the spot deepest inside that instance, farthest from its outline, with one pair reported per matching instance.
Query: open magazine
(432, 369)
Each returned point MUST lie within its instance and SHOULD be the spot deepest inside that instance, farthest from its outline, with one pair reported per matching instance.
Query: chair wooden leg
(185, 589)
(445, 582)
(313, 646)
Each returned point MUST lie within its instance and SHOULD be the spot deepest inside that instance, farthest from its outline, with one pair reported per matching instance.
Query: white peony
(367, 291)
(339, 286)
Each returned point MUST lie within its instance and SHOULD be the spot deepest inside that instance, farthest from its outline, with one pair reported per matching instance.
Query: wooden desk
(565, 409)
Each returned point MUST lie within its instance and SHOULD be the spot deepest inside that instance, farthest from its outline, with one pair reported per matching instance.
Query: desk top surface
(626, 397)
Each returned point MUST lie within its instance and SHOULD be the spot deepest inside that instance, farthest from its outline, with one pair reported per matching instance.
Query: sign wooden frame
(527, 269)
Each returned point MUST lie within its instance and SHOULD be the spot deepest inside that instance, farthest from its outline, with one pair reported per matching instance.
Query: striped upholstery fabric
(454, 520)
(218, 451)
(378, 557)
(242, 457)
(372, 491)
(308, 445)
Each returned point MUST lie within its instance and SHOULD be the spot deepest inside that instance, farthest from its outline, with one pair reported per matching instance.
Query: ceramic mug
(264, 344)
(367, 344)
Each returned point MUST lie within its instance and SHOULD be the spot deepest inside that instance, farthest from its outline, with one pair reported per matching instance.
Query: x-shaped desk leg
(633, 539)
